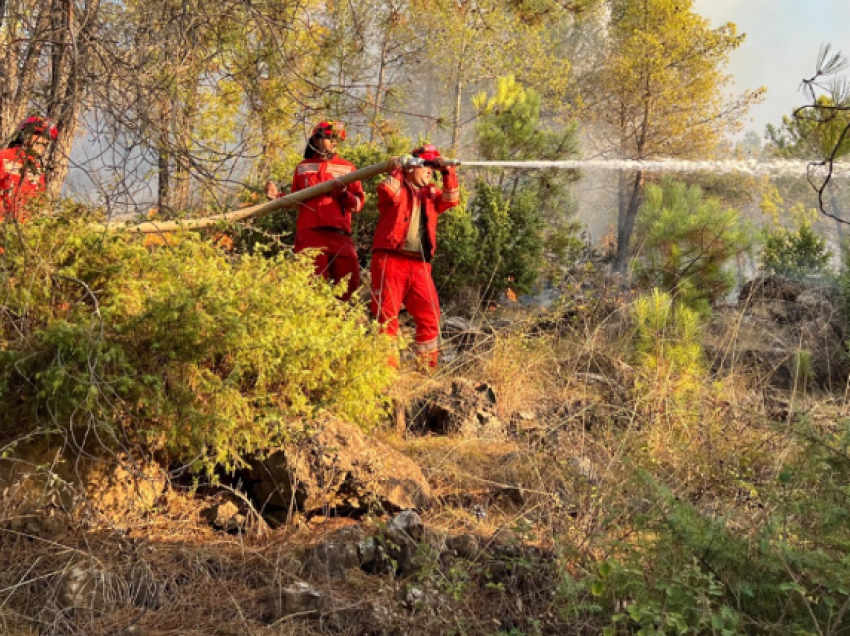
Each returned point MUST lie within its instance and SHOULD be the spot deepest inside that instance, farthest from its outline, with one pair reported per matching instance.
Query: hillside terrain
(595, 466)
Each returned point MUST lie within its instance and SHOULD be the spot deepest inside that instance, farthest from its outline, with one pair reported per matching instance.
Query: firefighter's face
(326, 145)
(420, 176)
(38, 144)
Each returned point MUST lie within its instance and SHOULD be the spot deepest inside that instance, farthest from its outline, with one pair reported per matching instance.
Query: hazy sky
(783, 37)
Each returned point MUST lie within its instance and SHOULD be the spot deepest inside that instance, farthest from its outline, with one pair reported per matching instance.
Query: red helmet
(39, 126)
(330, 130)
(427, 153)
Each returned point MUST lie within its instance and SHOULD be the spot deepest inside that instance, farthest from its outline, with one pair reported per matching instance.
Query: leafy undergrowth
(628, 490)
(174, 344)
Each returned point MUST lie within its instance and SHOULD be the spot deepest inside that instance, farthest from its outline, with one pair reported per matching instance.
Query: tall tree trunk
(72, 56)
(184, 115)
(163, 186)
(629, 203)
(458, 104)
(22, 54)
(379, 91)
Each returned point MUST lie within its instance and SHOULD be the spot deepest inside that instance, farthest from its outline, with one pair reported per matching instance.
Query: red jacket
(326, 211)
(13, 193)
(395, 203)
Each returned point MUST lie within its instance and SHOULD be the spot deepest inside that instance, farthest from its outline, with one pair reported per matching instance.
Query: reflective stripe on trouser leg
(423, 304)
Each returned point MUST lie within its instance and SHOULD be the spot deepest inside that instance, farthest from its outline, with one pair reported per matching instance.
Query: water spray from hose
(777, 168)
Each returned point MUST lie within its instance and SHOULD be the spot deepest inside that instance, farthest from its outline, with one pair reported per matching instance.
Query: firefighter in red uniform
(405, 241)
(21, 168)
(324, 222)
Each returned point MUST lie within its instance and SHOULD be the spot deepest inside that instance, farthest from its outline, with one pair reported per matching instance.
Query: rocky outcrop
(335, 465)
(42, 478)
(391, 550)
(298, 599)
(786, 332)
(461, 407)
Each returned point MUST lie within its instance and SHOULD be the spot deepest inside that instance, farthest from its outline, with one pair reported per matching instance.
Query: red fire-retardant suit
(400, 277)
(324, 222)
(21, 179)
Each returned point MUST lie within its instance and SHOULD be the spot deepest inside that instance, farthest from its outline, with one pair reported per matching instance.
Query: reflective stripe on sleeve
(451, 196)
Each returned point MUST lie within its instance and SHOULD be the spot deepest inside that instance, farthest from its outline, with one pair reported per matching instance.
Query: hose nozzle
(441, 163)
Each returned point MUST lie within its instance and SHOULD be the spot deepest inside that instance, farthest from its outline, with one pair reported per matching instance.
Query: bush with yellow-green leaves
(174, 344)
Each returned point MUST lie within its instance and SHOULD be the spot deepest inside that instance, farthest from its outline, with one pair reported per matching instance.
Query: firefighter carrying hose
(324, 222)
(21, 167)
(405, 241)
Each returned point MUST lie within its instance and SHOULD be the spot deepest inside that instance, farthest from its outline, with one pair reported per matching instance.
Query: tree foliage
(796, 251)
(514, 219)
(176, 345)
(819, 131)
(659, 92)
(685, 242)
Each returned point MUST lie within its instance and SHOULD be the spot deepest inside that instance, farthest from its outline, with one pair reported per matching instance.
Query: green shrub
(685, 242)
(667, 349)
(669, 381)
(171, 343)
(684, 570)
(492, 246)
(795, 253)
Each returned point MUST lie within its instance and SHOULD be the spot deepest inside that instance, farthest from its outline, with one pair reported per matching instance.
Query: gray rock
(401, 542)
(335, 464)
(368, 551)
(333, 558)
(460, 407)
(466, 546)
(407, 523)
(414, 597)
(418, 599)
(584, 467)
(299, 599)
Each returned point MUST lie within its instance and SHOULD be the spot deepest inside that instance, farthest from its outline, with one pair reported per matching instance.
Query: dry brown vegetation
(598, 485)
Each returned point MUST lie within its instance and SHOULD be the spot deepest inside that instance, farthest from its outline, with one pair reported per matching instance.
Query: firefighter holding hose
(324, 222)
(405, 242)
(21, 167)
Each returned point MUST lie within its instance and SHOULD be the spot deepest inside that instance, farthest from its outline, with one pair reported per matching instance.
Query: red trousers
(398, 279)
(334, 267)
(336, 260)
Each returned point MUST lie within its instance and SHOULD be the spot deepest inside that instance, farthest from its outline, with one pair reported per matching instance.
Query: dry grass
(564, 483)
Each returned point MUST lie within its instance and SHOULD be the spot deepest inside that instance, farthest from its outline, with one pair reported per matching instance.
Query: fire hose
(263, 209)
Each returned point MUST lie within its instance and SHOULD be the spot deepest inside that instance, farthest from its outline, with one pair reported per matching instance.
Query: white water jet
(777, 168)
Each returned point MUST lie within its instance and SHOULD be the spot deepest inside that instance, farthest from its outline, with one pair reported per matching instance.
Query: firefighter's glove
(271, 190)
(338, 189)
